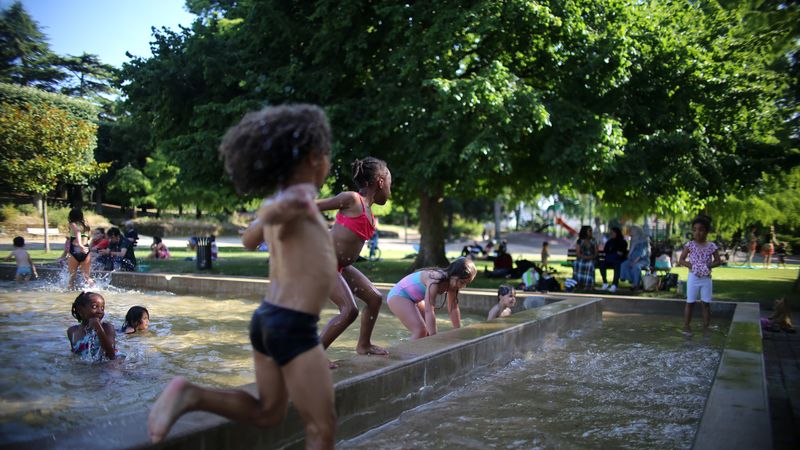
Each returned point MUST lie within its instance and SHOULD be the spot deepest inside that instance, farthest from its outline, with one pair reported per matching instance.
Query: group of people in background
(768, 246)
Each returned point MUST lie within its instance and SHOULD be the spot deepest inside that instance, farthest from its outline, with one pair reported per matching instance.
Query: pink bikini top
(360, 225)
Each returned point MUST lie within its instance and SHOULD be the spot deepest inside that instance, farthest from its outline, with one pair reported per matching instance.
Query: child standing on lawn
(700, 256)
(287, 147)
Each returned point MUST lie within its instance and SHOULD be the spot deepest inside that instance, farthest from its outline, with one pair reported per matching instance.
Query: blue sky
(107, 28)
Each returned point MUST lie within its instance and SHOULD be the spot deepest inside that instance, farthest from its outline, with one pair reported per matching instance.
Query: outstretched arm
(343, 200)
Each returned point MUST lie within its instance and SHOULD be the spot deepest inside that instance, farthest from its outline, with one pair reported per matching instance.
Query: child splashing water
(287, 147)
(354, 225)
(700, 256)
(93, 339)
(413, 299)
(78, 254)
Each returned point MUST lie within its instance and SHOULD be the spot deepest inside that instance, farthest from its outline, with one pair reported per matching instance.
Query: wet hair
(19, 241)
(584, 233)
(504, 289)
(83, 299)
(263, 150)
(461, 268)
(705, 221)
(76, 216)
(367, 170)
(114, 231)
(134, 317)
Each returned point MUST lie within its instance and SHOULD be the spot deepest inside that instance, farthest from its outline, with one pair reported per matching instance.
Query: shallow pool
(633, 382)
(45, 389)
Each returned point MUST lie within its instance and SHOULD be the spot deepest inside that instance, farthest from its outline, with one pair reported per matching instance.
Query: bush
(171, 227)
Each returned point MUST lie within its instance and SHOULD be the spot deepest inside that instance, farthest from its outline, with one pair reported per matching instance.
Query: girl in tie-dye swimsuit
(413, 299)
(93, 340)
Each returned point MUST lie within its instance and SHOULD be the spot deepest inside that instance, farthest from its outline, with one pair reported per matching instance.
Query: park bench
(40, 231)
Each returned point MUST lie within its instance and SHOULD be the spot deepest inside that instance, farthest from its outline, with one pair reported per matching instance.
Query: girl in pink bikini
(354, 225)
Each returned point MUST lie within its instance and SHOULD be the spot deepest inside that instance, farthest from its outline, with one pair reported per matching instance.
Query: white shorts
(698, 288)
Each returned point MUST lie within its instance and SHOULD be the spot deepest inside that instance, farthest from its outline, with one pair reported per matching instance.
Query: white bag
(650, 282)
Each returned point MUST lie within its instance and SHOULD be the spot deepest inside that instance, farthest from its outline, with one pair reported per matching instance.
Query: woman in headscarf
(638, 257)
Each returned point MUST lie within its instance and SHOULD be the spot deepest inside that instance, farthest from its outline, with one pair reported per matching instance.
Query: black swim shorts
(281, 333)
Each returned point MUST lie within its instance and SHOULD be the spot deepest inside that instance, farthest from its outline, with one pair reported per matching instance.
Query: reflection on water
(45, 389)
(634, 382)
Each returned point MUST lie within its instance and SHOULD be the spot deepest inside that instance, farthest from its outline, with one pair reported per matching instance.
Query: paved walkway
(782, 365)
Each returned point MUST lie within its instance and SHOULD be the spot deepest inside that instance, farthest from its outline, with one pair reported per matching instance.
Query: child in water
(700, 256)
(506, 299)
(25, 266)
(285, 147)
(92, 339)
(137, 319)
(413, 299)
(354, 225)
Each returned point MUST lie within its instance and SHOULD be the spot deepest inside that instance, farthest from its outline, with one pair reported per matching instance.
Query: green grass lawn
(753, 285)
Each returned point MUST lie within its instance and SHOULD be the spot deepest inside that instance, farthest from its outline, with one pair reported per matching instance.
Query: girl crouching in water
(413, 299)
(93, 339)
(287, 147)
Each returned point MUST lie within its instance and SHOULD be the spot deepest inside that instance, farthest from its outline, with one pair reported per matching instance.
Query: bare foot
(170, 405)
(371, 350)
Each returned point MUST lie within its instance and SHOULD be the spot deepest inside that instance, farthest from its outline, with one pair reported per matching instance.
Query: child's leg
(365, 290)
(180, 397)
(72, 267)
(348, 311)
(409, 314)
(706, 314)
(86, 268)
(687, 315)
(706, 292)
(310, 387)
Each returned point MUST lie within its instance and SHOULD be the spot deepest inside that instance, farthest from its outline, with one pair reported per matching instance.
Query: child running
(137, 319)
(354, 225)
(287, 147)
(700, 256)
(25, 266)
(78, 254)
(506, 299)
(93, 339)
(413, 299)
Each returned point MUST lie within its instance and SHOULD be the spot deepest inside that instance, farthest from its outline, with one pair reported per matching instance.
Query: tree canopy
(653, 106)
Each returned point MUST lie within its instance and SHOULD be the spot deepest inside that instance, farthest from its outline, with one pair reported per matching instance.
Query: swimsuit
(410, 287)
(88, 347)
(73, 250)
(282, 333)
(360, 225)
(24, 271)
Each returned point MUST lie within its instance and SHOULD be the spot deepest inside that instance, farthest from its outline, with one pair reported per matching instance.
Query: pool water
(45, 389)
(633, 382)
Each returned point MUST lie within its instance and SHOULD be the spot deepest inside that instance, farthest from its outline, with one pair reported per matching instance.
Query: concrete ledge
(737, 410)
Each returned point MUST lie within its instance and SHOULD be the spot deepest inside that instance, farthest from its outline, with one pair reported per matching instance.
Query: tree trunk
(98, 207)
(180, 210)
(44, 217)
(197, 213)
(497, 212)
(75, 196)
(431, 227)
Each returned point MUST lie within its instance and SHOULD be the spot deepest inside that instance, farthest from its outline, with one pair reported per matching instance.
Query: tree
(25, 56)
(47, 139)
(164, 179)
(132, 185)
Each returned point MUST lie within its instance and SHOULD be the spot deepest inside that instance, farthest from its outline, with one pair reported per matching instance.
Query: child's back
(303, 263)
